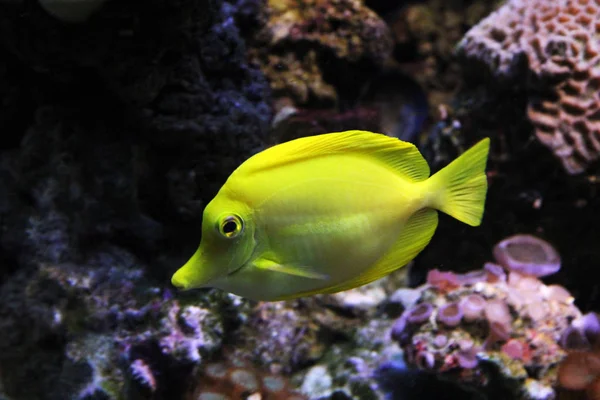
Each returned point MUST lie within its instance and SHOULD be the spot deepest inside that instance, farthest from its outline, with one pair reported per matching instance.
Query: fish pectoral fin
(296, 270)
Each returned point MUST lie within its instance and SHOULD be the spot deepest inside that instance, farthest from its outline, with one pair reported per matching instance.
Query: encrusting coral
(553, 46)
(495, 327)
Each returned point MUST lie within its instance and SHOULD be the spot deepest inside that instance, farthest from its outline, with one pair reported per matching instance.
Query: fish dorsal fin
(401, 156)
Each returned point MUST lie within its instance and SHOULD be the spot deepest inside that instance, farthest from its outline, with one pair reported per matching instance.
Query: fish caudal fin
(462, 185)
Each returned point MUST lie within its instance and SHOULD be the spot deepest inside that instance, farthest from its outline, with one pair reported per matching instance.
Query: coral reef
(287, 336)
(204, 123)
(425, 34)
(309, 49)
(118, 131)
(329, 345)
(552, 46)
(391, 103)
(234, 378)
(119, 128)
(100, 328)
(497, 331)
(346, 371)
(292, 123)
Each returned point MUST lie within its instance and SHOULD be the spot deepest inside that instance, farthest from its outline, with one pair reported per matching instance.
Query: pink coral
(517, 350)
(556, 41)
(443, 280)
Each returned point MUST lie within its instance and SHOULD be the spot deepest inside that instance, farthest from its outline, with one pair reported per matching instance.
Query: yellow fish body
(328, 213)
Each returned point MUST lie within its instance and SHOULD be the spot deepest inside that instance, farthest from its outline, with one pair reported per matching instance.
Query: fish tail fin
(460, 188)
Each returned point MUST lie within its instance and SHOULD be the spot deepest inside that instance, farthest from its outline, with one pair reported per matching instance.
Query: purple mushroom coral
(528, 255)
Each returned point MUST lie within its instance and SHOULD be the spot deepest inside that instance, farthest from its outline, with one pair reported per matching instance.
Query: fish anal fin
(300, 271)
(416, 234)
(402, 157)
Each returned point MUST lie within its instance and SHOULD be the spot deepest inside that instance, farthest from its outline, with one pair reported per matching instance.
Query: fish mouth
(187, 278)
(179, 281)
(195, 273)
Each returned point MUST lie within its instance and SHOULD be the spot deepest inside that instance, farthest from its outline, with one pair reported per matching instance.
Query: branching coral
(553, 46)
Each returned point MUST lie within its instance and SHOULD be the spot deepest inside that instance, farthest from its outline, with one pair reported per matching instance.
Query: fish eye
(231, 226)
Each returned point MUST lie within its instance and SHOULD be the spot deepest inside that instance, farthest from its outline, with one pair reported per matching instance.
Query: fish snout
(196, 273)
(179, 280)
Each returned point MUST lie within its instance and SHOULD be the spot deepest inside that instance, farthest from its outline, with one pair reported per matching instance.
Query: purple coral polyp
(586, 327)
(472, 307)
(497, 333)
(450, 314)
(497, 311)
(528, 255)
(425, 360)
(495, 272)
(473, 277)
(467, 359)
(419, 314)
(442, 280)
(573, 339)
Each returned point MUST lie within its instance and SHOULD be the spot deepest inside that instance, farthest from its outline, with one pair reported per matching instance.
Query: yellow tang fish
(328, 213)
